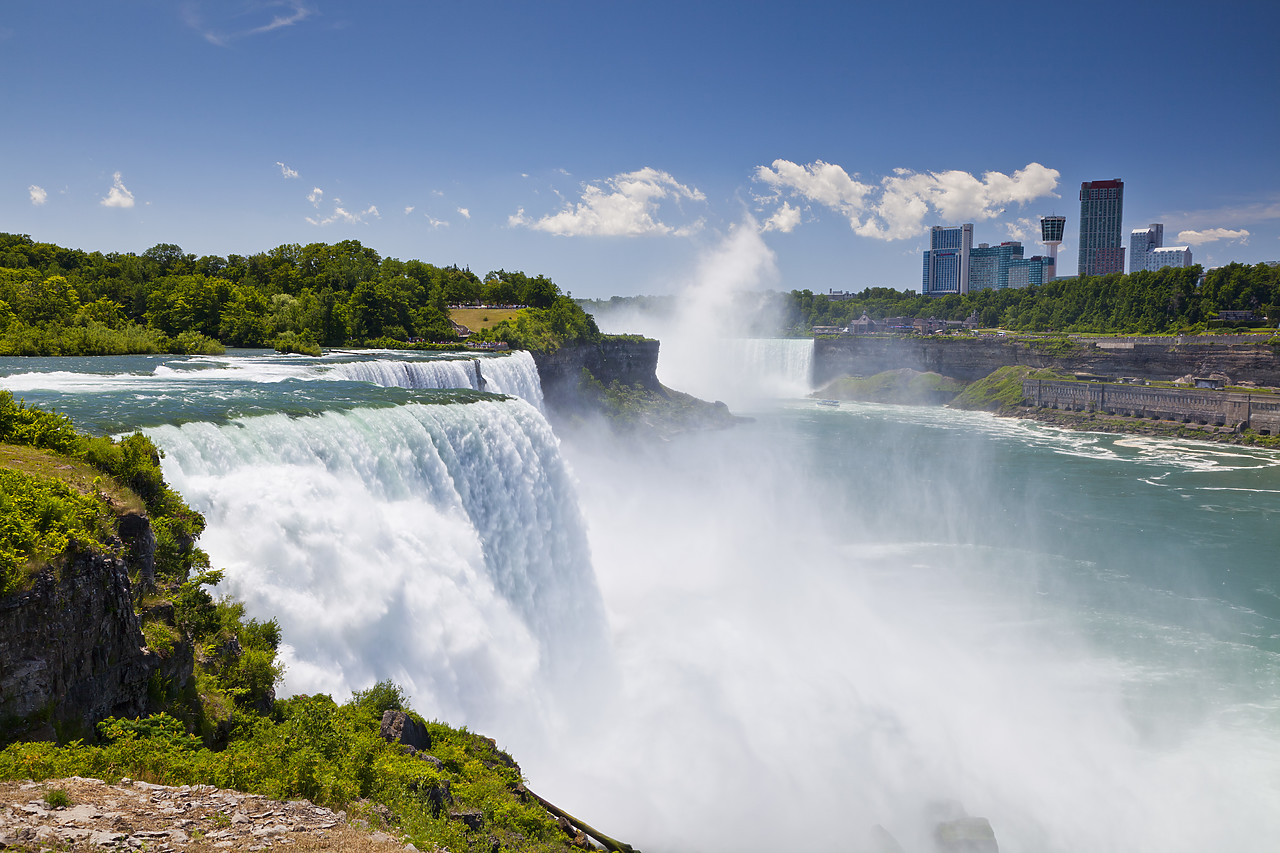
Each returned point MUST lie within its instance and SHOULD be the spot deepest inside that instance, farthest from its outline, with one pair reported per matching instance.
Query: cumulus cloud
(225, 23)
(285, 171)
(117, 196)
(1209, 235)
(898, 206)
(464, 213)
(38, 195)
(626, 205)
(784, 219)
(315, 196)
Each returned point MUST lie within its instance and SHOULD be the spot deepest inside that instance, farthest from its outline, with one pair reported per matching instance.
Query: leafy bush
(38, 518)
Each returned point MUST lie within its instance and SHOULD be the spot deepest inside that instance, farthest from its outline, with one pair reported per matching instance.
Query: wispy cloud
(898, 205)
(38, 195)
(315, 196)
(436, 223)
(464, 213)
(232, 22)
(626, 205)
(1210, 235)
(341, 214)
(117, 196)
(285, 171)
(408, 210)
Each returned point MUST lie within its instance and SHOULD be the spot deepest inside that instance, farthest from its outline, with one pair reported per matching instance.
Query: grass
(80, 476)
(478, 319)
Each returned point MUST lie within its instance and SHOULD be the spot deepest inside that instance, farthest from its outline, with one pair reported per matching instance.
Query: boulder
(399, 727)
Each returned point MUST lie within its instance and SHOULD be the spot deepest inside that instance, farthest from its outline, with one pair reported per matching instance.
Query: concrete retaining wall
(1259, 412)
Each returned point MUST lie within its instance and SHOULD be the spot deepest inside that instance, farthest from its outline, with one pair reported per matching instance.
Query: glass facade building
(1101, 211)
(946, 264)
(989, 265)
(1024, 272)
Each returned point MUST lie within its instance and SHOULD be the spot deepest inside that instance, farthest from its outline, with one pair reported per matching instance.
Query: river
(782, 635)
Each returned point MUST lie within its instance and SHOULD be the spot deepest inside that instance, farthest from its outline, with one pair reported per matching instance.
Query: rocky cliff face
(72, 651)
(972, 359)
(631, 362)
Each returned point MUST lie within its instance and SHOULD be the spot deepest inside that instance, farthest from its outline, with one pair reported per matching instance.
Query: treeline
(1166, 301)
(55, 300)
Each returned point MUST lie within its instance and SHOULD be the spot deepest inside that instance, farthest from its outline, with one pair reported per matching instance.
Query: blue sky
(612, 144)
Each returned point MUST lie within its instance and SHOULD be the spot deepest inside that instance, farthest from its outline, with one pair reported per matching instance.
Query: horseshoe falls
(784, 635)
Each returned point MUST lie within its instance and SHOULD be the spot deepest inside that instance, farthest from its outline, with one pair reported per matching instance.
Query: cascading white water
(438, 545)
(514, 374)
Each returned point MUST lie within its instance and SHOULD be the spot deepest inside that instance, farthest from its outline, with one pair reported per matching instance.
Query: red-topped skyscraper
(1101, 209)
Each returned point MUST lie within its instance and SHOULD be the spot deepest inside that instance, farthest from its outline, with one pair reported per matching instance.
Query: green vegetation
(57, 301)
(659, 411)
(56, 798)
(311, 747)
(1001, 390)
(903, 386)
(562, 323)
(1166, 301)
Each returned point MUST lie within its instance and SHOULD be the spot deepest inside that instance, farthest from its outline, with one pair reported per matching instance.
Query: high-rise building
(1141, 243)
(1051, 229)
(989, 265)
(1101, 210)
(1169, 256)
(1024, 272)
(946, 264)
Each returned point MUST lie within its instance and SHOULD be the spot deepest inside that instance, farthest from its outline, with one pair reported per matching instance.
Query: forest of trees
(1165, 301)
(63, 301)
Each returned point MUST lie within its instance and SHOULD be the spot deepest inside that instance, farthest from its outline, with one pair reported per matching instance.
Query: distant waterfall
(515, 374)
(739, 371)
(438, 545)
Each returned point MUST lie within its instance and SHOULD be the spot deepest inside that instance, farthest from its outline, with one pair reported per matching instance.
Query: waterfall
(437, 545)
(515, 374)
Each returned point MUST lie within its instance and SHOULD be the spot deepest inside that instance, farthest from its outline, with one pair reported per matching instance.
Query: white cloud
(1023, 230)
(117, 196)
(235, 21)
(464, 213)
(408, 210)
(341, 214)
(315, 196)
(784, 219)
(1209, 235)
(436, 223)
(898, 207)
(285, 171)
(625, 205)
(38, 195)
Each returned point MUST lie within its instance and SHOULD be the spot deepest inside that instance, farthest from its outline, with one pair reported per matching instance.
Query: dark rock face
(72, 652)
(629, 362)
(399, 727)
(972, 359)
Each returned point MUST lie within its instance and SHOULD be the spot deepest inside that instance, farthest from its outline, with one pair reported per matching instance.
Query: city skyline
(617, 147)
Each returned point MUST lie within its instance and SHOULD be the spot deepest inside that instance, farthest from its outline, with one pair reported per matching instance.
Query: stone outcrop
(141, 816)
(399, 727)
(969, 359)
(630, 362)
(72, 651)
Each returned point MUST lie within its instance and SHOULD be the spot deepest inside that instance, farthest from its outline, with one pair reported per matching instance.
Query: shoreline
(1123, 425)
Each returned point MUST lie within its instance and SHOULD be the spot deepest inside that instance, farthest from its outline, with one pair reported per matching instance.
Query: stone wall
(1260, 412)
(72, 651)
(969, 359)
(631, 362)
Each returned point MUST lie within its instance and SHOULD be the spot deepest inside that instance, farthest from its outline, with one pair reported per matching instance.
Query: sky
(612, 144)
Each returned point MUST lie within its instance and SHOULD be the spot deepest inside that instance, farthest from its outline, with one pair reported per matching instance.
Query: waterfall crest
(515, 374)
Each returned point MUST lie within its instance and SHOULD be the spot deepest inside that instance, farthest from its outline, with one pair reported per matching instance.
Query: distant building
(1025, 272)
(989, 265)
(1101, 211)
(1051, 230)
(1169, 256)
(1142, 242)
(946, 264)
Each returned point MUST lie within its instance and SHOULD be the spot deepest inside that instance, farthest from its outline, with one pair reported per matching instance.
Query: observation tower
(1051, 228)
